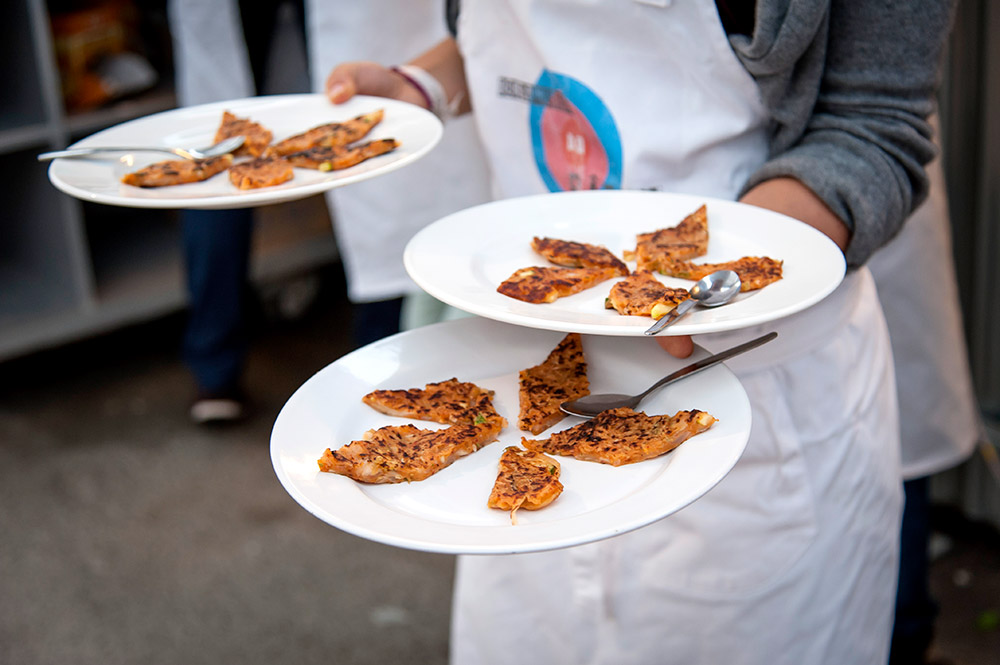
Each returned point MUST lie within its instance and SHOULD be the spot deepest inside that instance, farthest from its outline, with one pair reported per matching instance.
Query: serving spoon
(220, 148)
(591, 405)
(712, 290)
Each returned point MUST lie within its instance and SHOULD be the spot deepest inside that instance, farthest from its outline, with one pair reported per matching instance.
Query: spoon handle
(83, 152)
(671, 316)
(705, 363)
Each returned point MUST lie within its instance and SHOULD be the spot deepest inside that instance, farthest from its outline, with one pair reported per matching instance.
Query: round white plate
(447, 512)
(97, 178)
(462, 259)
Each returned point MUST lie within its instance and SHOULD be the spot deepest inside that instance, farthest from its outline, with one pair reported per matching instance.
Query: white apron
(209, 52)
(939, 416)
(374, 220)
(792, 557)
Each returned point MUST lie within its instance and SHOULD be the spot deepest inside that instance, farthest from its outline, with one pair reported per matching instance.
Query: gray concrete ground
(129, 535)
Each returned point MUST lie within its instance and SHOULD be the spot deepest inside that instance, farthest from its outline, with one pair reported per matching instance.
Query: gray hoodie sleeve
(850, 84)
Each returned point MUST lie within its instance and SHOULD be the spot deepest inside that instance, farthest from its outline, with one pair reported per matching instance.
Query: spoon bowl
(716, 289)
(712, 290)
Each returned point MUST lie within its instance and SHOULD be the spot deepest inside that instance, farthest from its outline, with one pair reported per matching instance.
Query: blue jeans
(217, 253)
(374, 320)
(916, 610)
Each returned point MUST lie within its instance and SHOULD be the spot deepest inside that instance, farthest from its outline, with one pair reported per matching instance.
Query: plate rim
(629, 329)
(491, 539)
(253, 198)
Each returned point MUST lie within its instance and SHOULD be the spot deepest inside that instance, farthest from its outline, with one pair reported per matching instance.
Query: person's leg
(217, 252)
(216, 249)
(916, 610)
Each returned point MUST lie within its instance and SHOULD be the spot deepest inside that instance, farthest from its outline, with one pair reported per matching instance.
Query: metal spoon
(711, 290)
(220, 148)
(591, 405)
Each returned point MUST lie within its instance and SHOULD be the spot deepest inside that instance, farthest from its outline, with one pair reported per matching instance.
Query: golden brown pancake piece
(755, 272)
(641, 294)
(400, 453)
(623, 436)
(403, 452)
(261, 172)
(177, 171)
(447, 402)
(540, 284)
(525, 479)
(333, 134)
(335, 159)
(687, 240)
(256, 136)
(542, 388)
(578, 254)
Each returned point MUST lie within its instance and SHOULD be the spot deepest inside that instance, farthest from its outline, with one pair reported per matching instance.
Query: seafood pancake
(525, 479)
(177, 171)
(687, 240)
(542, 388)
(262, 172)
(641, 294)
(545, 284)
(399, 453)
(755, 272)
(333, 134)
(256, 136)
(337, 158)
(623, 436)
(447, 402)
(578, 254)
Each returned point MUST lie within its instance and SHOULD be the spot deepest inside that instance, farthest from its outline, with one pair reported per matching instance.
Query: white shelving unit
(70, 269)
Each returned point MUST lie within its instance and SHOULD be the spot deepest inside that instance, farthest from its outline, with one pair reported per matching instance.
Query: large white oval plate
(97, 178)
(462, 258)
(447, 512)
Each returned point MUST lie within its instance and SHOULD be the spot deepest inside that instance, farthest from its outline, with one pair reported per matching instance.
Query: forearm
(790, 197)
(444, 62)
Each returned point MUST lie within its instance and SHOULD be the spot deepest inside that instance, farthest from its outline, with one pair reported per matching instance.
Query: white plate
(462, 259)
(97, 178)
(447, 512)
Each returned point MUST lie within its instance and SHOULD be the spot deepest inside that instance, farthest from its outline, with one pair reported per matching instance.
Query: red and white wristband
(430, 89)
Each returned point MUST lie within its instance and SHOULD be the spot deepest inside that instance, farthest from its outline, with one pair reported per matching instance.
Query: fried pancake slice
(260, 172)
(755, 272)
(641, 294)
(578, 254)
(448, 402)
(177, 171)
(337, 158)
(525, 479)
(623, 436)
(687, 240)
(256, 136)
(330, 135)
(539, 284)
(399, 453)
(542, 388)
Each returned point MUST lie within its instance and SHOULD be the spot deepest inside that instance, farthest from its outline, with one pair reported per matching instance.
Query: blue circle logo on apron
(574, 136)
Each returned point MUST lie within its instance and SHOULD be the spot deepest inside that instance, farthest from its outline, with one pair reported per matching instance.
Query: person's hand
(370, 78)
(679, 346)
